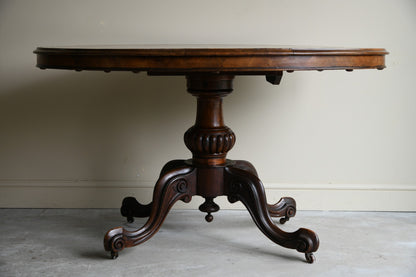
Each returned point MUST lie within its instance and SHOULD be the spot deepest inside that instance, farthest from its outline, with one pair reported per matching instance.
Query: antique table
(209, 71)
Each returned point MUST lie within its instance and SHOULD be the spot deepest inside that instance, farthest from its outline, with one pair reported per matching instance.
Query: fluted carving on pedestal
(209, 142)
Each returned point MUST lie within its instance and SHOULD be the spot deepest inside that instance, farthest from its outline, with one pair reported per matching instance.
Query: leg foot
(175, 184)
(243, 186)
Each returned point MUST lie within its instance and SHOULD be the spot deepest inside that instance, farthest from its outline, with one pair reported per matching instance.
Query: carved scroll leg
(131, 208)
(285, 208)
(246, 187)
(176, 184)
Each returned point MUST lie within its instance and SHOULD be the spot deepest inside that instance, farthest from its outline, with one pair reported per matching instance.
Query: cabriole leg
(173, 185)
(243, 186)
(285, 208)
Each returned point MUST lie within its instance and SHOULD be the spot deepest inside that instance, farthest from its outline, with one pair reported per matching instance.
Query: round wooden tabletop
(186, 59)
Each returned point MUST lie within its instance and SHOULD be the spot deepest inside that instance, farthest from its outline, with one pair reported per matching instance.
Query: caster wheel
(310, 258)
(114, 255)
(283, 220)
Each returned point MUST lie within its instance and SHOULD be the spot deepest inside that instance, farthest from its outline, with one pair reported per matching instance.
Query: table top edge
(147, 50)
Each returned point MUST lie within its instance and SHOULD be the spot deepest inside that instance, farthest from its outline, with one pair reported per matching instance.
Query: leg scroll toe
(285, 208)
(115, 241)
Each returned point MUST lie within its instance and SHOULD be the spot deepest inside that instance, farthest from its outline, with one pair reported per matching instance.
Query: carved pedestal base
(178, 181)
(209, 174)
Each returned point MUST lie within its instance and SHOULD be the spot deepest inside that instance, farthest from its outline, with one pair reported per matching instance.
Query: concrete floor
(68, 242)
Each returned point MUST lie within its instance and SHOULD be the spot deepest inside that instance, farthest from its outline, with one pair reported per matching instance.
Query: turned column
(209, 139)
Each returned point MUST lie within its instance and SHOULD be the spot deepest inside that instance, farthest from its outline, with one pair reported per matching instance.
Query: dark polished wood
(162, 59)
(210, 72)
(175, 184)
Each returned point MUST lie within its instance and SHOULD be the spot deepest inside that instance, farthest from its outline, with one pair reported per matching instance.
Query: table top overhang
(185, 59)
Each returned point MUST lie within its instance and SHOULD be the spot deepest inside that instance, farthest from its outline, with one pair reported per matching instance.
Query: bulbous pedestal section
(209, 144)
